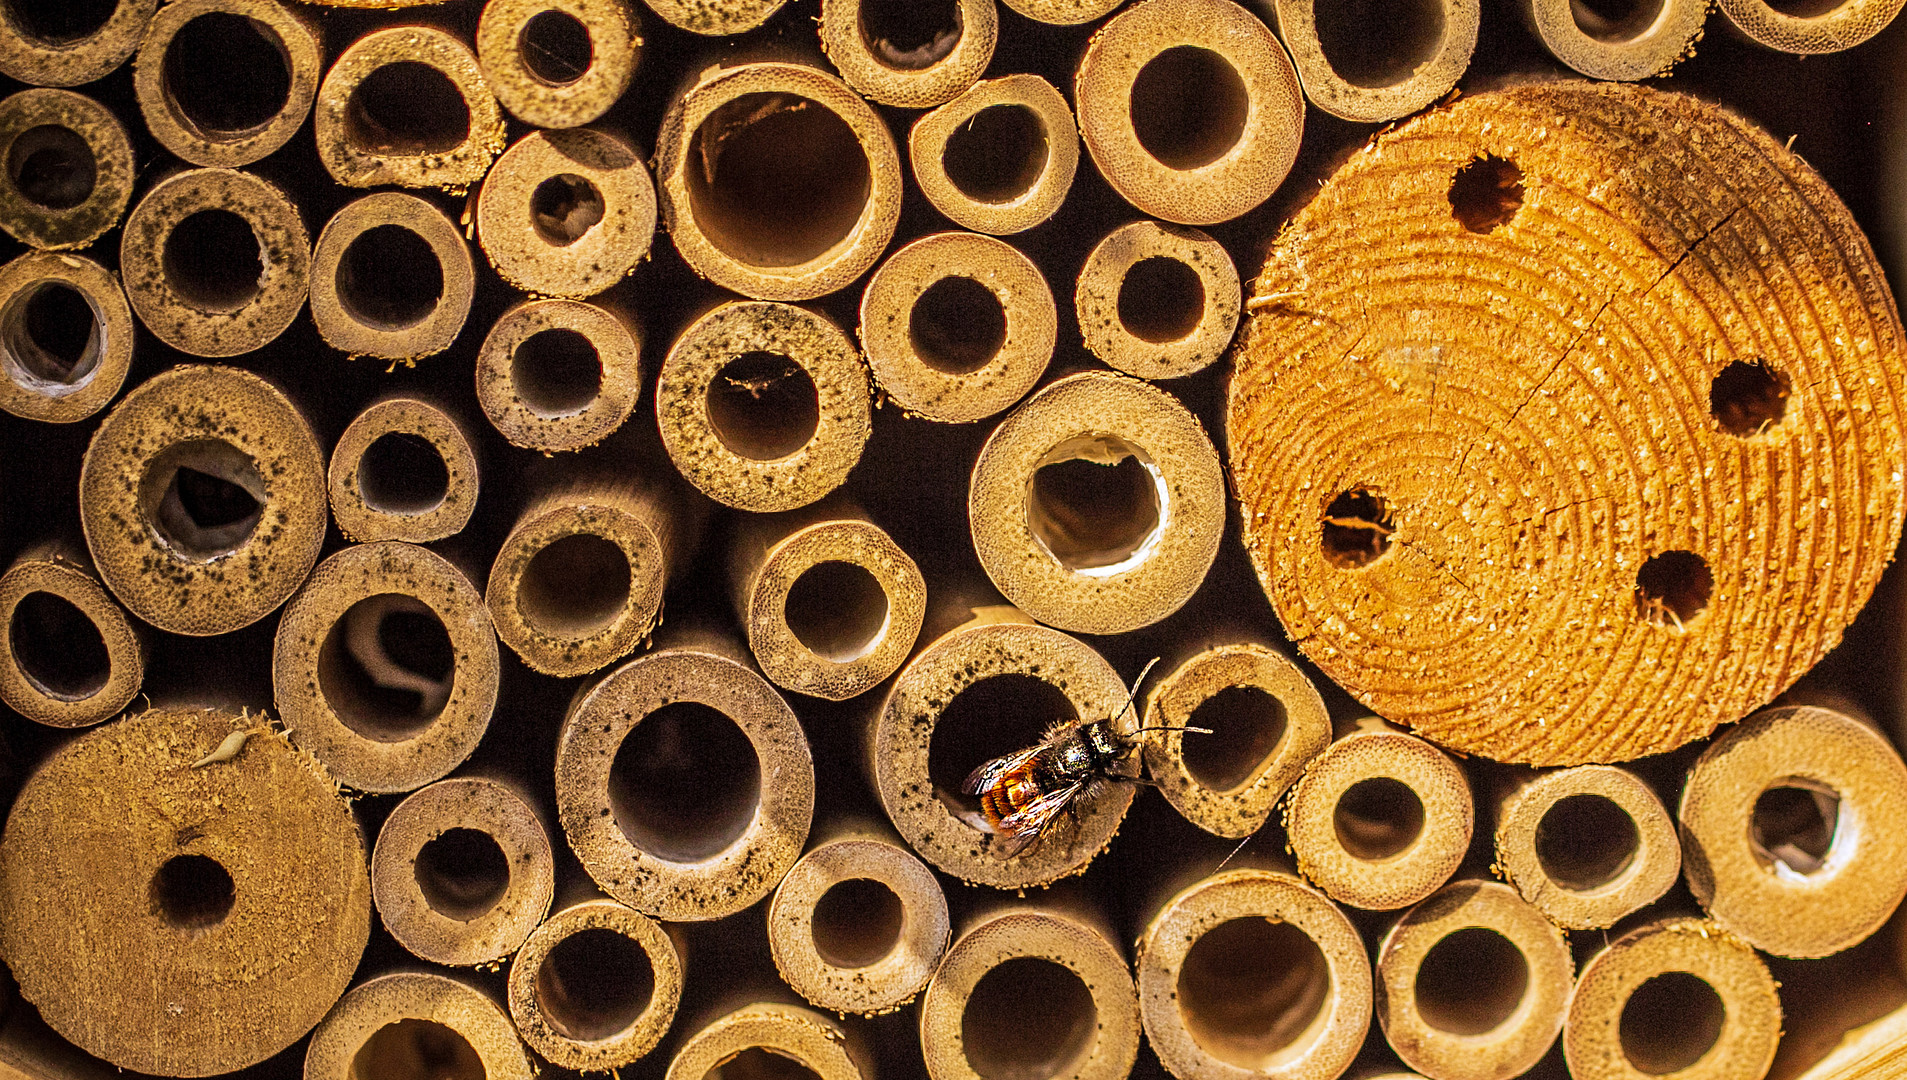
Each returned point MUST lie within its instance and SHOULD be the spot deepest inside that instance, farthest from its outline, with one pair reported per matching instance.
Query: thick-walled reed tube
(1587, 845)
(417, 1024)
(913, 56)
(596, 986)
(715, 17)
(558, 63)
(1648, 42)
(858, 925)
(66, 337)
(1253, 972)
(1158, 301)
(566, 213)
(1000, 157)
(39, 46)
(68, 168)
(183, 877)
(559, 374)
(391, 277)
(1062, 12)
(1350, 70)
(402, 470)
(1816, 28)
(684, 784)
(202, 497)
(227, 82)
(407, 105)
(69, 657)
(768, 1038)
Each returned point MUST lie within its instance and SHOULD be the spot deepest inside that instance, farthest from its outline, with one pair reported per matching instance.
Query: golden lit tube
(209, 113)
(69, 168)
(1428, 47)
(1158, 301)
(1190, 108)
(1062, 12)
(715, 17)
(886, 57)
(768, 1032)
(958, 326)
(1648, 43)
(1675, 996)
(1381, 819)
(858, 925)
(566, 213)
(777, 180)
(559, 374)
(687, 719)
(530, 56)
(1000, 157)
(596, 986)
(1253, 972)
(46, 377)
(69, 657)
(219, 433)
(402, 470)
(376, 721)
(393, 1024)
(40, 53)
(392, 278)
(407, 105)
(1788, 830)
(1267, 723)
(150, 897)
(1841, 26)
(1587, 845)
(1097, 506)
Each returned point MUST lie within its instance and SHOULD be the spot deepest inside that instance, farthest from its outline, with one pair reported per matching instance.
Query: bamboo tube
(1381, 819)
(596, 986)
(226, 82)
(1475, 983)
(385, 666)
(1268, 723)
(1190, 108)
(1424, 53)
(715, 17)
(462, 871)
(46, 45)
(982, 690)
(684, 784)
(1676, 996)
(407, 105)
(1810, 29)
(202, 497)
(1031, 992)
(539, 388)
(914, 58)
(1587, 845)
(1097, 505)
(418, 1024)
(1647, 43)
(1787, 831)
(1253, 972)
(1000, 157)
(767, 1039)
(66, 337)
(958, 326)
(391, 278)
(69, 168)
(777, 181)
(831, 607)
(159, 886)
(1520, 634)
(1062, 12)
(558, 63)
(566, 213)
(858, 925)
(402, 470)
(763, 406)
(1157, 301)
(68, 655)
(215, 261)
(1875, 1051)
(578, 582)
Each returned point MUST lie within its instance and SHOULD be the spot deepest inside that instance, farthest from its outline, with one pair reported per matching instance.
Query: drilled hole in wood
(1377, 818)
(203, 498)
(1670, 1022)
(414, 1049)
(837, 610)
(593, 984)
(856, 922)
(1471, 981)
(910, 35)
(761, 1063)
(386, 667)
(776, 179)
(1793, 825)
(61, 22)
(564, 208)
(1413, 32)
(574, 586)
(555, 47)
(462, 873)
(685, 783)
(1356, 529)
(1096, 504)
(957, 326)
(192, 892)
(1584, 842)
(407, 108)
(996, 715)
(557, 372)
(226, 74)
(1250, 988)
(763, 406)
(1161, 299)
(53, 166)
(52, 338)
(1486, 193)
(1028, 1018)
(1246, 725)
(389, 278)
(1673, 588)
(1617, 21)
(1749, 397)
(213, 261)
(402, 473)
(57, 647)
(997, 155)
(1189, 107)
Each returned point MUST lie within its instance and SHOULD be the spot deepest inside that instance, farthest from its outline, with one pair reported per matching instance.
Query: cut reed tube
(768, 1039)
(392, 278)
(1815, 28)
(777, 180)
(69, 168)
(596, 986)
(715, 17)
(462, 871)
(558, 63)
(1788, 830)
(69, 657)
(1647, 42)
(215, 262)
(958, 326)
(1031, 992)
(914, 59)
(66, 337)
(227, 82)
(1098, 505)
(1425, 51)
(1475, 983)
(202, 497)
(1676, 996)
(407, 105)
(1266, 724)
(1158, 301)
(200, 850)
(42, 51)
(980, 691)
(858, 925)
(684, 783)
(566, 213)
(1190, 108)
(1062, 12)
(1000, 157)
(559, 374)
(385, 666)
(402, 470)
(1253, 972)
(1381, 819)
(764, 406)
(404, 1023)
(1587, 845)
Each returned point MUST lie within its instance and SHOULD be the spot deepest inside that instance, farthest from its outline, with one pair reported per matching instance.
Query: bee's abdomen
(1015, 792)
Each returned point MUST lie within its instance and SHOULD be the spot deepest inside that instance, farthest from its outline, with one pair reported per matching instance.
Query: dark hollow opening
(1624, 20)
(1486, 193)
(1673, 588)
(1584, 842)
(407, 108)
(837, 610)
(576, 585)
(61, 22)
(1249, 989)
(52, 166)
(776, 179)
(594, 984)
(413, 1049)
(1161, 300)
(1189, 107)
(389, 278)
(997, 715)
(1356, 529)
(564, 208)
(557, 372)
(1471, 981)
(1793, 824)
(763, 406)
(1093, 504)
(856, 923)
(1749, 397)
(1804, 9)
(1028, 1019)
(227, 73)
(997, 155)
(57, 647)
(685, 783)
(1377, 818)
(53, 336)
(213, 261)
(1246, 723)
(909, 35)
(761, 1063)
(1670, 1022)
(402, 473)
(555, 47)
(1412, 31)
(387, 666)
(192, 892)
(204, 498)
(957, 325)
(462, 873)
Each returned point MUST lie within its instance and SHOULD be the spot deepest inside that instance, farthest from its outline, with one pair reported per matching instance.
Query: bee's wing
(1027, 824)
(989, 775)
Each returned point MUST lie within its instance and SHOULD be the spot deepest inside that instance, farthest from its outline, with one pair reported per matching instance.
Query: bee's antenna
(1173, 727)
(1133, 694)
(1236, 850)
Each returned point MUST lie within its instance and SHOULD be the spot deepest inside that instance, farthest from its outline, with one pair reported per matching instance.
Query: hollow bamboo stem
(559, 374)
(1158, 301)
(1427, 56)
(69, 657)
(72, 171)
(830, 930)
(566, 213)
(549, 88)
(596, 986)
(1000, 157)
(910, 67)
(392, 278)
(815, 1044)
(383, 477)
(42, 56)
(211, 115)
(1811, 30)
(1587, 845)
(384, 113)
(715, 17)
(1648, 43)
(43, 296)
(404, 1023)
